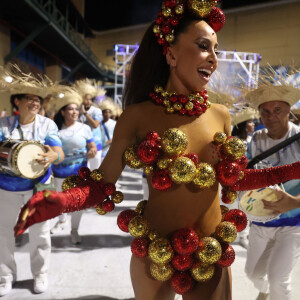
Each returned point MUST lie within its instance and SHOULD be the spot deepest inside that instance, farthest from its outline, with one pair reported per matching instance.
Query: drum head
(252, 205)
(26, 160)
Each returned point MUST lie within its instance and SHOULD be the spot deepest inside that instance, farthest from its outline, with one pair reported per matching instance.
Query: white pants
(94, 163)
(271, 256)
(75, 216)
(39, 237)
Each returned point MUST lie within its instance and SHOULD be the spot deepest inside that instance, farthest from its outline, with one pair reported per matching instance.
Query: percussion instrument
(251, 204)
(18, 158)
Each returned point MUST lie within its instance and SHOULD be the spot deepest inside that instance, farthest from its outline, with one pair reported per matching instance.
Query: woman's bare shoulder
(220, 108)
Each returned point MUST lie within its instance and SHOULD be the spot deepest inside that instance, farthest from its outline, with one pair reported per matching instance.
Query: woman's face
(193, 58)
(250, 126)
(71, 113)
(29, 105)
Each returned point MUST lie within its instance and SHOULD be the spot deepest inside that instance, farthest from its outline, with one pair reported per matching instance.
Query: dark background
(109, 14)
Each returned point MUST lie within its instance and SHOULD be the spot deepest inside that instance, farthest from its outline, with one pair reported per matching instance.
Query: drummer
(78, 145)
(274, 246)
(26, 97)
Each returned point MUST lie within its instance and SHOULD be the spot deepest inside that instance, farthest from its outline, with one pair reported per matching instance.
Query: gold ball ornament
(166, 102)
(209, 251)
(182, 170)
(153, 234)
(202, 273)
(160, 251)
(224, 210)
(177, 106)
(161, 272)
(231, 195)
(141, 207)
(170, 109)
(165, 94)
(96, 175)
(100, 211)
(200, 8)
(138, 227)
(164, 163)
(148, 170)
(220, 137)
(158, 89)
(179, 9)
(156, 29)
(117, 197)
(170, 38)
(226, 231)
(166, 11)
(205, 176)
(70, 182)
(208, 104)
(234, 147)
(242, 175)
(174, 141)
(131, 158)
(189, 106)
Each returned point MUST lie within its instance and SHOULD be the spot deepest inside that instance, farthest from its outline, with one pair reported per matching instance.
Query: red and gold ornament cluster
(173, 11)
(162, 158)
(185, 258)
(192, 105)
(109, 189)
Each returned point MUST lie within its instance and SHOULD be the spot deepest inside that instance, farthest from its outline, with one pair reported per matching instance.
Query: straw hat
(14, 81)
(62, 95)
(108, 103)
(86, 86)
(241, 115)
(273, 86)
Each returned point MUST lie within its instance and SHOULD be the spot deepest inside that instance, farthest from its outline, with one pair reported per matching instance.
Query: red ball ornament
(152, 136)
(227, 173)
(84, 172)
(182, 282)
(185, 241)
(183, 99)
(173, 98)
(166, 29)
(238, 218)
(174, 22)
(183, 111)
(139, 247)
(161, 180)
(242, 162)
(227, 257)
(161, 41)
(226, 200)
(216, 19)
(124, 218)
(193, 157)
(109, 189)
(108, 205)
(170, 3)
(148, 152)
(159, 20)
(182, 262)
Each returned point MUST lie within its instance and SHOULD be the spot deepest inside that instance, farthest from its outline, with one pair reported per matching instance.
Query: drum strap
(272, 150)
(20, 132)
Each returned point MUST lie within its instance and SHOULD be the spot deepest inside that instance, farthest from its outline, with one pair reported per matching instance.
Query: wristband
(58, 158)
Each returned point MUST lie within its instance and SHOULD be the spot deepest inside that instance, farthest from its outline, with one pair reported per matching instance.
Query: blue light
(116, 48)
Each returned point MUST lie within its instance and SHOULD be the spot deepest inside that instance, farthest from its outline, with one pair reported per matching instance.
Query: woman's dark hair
(149, 66)
(59, 119)
(20, 96)
(240, 131)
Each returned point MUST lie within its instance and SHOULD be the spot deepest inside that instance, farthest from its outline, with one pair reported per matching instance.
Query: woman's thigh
(144, 285)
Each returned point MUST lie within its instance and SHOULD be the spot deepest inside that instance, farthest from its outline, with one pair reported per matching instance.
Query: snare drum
(252, 205)
(18, 158)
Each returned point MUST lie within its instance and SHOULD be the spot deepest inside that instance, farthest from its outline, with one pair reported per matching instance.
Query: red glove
(48, 204)
(256, 179)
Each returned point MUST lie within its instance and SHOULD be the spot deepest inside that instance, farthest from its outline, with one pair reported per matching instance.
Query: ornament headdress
(173, 11)
(62, 95)
(14, 81)
(241, 115)
(274, 86)
(108, 104)
(86, 86)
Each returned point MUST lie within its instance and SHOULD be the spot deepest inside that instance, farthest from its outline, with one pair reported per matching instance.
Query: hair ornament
(173, 11)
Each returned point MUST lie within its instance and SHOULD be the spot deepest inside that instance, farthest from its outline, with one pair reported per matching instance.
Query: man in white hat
(274, 246)
(26, 97)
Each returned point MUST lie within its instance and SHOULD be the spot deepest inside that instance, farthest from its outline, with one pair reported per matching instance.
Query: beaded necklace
(194, 104)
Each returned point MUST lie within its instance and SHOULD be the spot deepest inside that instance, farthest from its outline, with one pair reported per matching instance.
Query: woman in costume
(78, 145)
(169, 128)
(27, 94)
